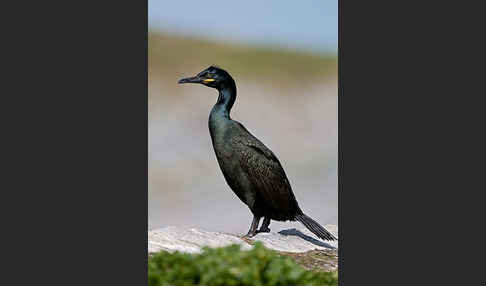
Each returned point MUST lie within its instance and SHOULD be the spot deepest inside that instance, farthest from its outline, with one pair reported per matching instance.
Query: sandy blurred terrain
(186, 188)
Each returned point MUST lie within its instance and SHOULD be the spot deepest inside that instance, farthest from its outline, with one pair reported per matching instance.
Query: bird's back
(252, 170)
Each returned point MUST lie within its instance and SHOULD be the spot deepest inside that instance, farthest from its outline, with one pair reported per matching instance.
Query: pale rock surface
(191, 240)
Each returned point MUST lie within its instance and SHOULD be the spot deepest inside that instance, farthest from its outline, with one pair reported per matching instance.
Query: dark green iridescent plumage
(251, 170)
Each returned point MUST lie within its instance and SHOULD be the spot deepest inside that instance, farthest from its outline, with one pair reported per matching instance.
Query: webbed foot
(264, 229)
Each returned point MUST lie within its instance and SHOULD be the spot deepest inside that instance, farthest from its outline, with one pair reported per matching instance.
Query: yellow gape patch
(208, 80)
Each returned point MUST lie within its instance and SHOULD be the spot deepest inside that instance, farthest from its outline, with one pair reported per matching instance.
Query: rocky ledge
(301, 244)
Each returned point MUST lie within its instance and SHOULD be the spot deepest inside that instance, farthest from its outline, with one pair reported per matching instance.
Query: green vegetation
(231, 266)
(171, 53)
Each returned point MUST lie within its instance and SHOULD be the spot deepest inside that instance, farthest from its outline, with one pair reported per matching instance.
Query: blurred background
(283, 57)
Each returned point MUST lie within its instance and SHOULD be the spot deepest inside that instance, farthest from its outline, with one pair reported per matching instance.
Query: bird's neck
(226, 99)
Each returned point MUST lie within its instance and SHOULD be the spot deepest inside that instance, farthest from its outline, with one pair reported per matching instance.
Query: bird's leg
(253, 227)
(265, 224)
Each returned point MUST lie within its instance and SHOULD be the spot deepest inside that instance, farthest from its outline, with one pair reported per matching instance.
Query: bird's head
(213, 76)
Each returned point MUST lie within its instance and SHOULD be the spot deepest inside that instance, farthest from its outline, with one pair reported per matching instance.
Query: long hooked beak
(193, 79)
(196, 79)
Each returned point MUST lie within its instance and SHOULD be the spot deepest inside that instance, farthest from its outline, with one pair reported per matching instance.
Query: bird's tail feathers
(315, 227)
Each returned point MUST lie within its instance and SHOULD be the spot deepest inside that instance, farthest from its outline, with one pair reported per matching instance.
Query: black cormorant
(251, 170)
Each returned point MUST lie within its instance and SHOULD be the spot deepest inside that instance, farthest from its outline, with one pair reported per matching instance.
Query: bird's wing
(265, 172)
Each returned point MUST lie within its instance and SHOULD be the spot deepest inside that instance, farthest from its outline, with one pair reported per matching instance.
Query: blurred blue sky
(307, 25)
